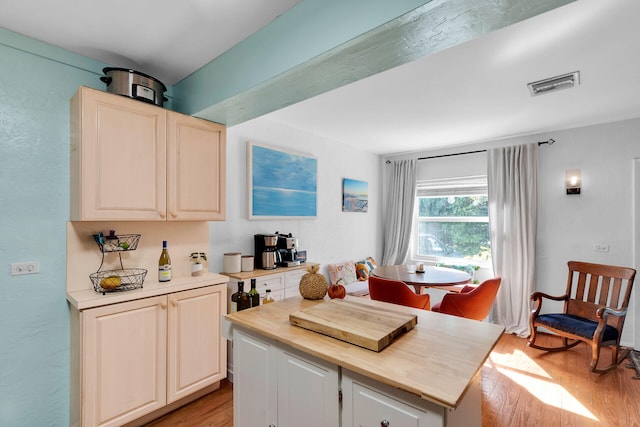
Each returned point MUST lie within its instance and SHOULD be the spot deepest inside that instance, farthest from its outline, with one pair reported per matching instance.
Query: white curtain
(512, 176)
(398, 212)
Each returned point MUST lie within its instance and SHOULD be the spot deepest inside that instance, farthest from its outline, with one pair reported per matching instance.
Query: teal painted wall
(36, 83)
(320, 45)
(310, 28)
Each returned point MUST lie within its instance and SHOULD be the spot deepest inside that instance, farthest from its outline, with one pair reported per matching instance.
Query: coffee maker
(288, 248)
(267, 256)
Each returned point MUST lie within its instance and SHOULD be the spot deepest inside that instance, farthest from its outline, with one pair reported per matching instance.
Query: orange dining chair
(473, 302)
(396, 292)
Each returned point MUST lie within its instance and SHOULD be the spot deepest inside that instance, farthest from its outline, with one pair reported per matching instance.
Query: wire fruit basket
(117, 243)
(125, 279)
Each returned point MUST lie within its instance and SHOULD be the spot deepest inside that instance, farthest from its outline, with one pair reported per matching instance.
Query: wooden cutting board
(363, 325)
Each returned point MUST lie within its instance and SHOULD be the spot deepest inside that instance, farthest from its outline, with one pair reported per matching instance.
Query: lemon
(111, 282)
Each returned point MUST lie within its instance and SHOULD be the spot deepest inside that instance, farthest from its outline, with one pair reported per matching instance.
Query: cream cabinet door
(197, 353)
(196, 175)
(118, 158)
(124, 361)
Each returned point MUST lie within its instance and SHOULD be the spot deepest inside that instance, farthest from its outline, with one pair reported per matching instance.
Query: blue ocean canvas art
(283, 184)
(355, 195)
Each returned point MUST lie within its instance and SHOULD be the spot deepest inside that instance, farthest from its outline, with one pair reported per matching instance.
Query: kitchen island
(284, 374)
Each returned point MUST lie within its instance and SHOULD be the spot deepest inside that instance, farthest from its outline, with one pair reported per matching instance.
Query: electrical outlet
(601, 248)
(30, 267)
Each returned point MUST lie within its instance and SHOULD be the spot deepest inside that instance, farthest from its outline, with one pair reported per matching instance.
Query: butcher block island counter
(288, 375)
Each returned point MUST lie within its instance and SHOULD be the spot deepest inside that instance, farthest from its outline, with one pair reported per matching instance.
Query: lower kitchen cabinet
(123, 361)
(196, 353)
(279, 387)
(284, 282)
(366, 402)
(369, 403)
(135, 357)
(292, 282)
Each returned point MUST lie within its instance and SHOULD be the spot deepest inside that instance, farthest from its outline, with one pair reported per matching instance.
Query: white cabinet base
(469, 412)
(366, 402)
(277, 386)
(307, 391)
(283, 282)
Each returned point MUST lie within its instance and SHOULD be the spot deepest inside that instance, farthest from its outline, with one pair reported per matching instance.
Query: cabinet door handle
(163, 305)
(163, 214)
(385, 423)
(174, 303)
(174, 214)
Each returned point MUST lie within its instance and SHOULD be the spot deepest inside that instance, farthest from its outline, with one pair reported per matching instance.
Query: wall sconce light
(573, 181)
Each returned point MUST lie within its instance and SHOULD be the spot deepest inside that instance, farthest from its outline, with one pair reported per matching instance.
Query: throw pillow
(371, 263)
(362, 270)
(343, 273)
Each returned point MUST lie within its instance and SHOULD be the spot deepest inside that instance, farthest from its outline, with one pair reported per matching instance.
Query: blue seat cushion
(576, 325)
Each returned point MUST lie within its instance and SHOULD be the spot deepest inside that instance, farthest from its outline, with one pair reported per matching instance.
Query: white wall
(636, 241)
(333, 235)
(451, 167)
(569, 226)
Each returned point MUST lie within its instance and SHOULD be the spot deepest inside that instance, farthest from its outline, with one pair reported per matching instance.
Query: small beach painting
(282, 184)
(355, 195)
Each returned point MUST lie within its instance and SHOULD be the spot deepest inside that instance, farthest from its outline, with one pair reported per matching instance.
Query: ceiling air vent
(552, 84)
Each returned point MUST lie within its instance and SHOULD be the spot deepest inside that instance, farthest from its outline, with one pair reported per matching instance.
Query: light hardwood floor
(520, 387)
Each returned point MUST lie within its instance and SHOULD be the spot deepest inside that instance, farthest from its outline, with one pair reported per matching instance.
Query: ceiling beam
(428, 29)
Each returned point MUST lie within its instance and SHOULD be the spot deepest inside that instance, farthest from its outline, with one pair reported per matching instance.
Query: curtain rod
(549, 141)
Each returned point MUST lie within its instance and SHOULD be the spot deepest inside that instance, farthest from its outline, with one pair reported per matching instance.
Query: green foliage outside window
(454, 226)
(475, 206)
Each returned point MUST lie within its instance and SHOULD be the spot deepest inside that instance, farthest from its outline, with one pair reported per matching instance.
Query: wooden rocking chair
(595, 307)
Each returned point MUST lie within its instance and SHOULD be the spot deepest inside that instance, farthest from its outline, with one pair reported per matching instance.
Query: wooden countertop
(436, 360)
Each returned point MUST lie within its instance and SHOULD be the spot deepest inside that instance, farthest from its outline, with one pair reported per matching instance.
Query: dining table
(444, 278)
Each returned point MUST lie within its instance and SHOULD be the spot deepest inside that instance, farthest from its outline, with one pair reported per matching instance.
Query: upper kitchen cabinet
(136, 161)
(195, 168)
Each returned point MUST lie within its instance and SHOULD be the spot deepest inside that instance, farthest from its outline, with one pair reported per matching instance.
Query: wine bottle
(244, 300)
(164, 264)
(234, 297)
(268, 298)
(253, 293)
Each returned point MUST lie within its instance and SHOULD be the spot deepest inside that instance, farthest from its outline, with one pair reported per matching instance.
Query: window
(452, 219)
